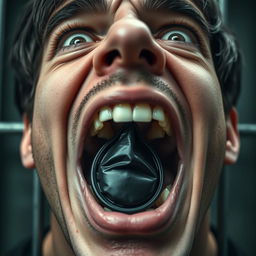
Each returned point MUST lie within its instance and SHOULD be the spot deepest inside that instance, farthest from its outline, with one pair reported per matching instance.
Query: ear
(233, 139)
(26, 146)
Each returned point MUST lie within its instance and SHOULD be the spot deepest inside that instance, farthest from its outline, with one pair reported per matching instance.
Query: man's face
(129, 63)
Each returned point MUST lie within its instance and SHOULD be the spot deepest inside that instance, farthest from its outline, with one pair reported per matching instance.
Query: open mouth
(151, 125)
(157, 129)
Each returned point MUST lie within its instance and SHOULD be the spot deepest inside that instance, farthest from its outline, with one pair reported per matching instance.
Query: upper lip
(144, 222)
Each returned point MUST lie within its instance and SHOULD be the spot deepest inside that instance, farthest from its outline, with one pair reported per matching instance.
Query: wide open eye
(76, 39)
(177, 35)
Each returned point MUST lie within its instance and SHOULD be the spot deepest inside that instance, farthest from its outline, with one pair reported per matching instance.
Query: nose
(129, 44)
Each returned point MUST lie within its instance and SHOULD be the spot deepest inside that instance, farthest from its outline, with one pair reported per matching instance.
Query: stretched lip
(143, 223)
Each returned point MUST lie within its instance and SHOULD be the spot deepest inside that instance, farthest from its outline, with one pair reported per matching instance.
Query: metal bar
(11, 127)
(2, 26)
(247, 129)
(37, 225)
(223, 8)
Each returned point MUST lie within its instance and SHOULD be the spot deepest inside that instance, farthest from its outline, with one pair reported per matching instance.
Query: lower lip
(144, 223)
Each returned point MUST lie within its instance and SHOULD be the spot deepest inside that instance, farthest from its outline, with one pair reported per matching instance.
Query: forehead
(68, 9)
(138, 5)
(118, 2)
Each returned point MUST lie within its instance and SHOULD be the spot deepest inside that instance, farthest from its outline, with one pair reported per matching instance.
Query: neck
(205, 243)
(55, 242)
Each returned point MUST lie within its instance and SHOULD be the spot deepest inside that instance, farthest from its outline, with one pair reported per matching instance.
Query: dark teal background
(16, 182)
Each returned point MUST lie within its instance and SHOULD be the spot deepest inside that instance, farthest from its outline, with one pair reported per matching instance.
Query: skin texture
(51, 142)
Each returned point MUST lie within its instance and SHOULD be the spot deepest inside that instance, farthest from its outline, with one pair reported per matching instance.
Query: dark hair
(225, 51)
(28, 48)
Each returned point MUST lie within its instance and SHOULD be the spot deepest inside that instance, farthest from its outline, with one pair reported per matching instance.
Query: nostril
(148, 56)
(110, 57)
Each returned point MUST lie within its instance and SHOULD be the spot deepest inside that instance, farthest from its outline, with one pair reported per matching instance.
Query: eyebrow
(72, 9)
(179, 6)
(90, 6)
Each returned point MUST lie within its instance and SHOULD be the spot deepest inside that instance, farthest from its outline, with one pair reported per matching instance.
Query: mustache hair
(127, 79)
(121, 77)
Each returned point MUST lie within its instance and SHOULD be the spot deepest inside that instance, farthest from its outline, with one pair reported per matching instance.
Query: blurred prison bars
(10, 128)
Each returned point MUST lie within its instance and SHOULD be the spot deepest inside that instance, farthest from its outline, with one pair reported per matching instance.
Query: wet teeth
(158, 114)
(107, 209)
(122, 113)
(96, 126)
(105, 114)
(162, 197)
(155, 132)
(166, 126)
(142, 113)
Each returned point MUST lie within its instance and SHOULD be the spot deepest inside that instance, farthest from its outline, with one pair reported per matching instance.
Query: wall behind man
(16, 182)
(241, 208)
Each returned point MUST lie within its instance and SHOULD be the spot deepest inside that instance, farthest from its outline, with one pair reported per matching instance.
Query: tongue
(126, 174)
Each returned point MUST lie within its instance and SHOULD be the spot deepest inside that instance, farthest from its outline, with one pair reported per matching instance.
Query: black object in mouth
(126, 174)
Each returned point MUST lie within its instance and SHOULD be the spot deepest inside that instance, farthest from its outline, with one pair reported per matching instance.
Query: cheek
(45, 167)
(199, 84)
(202, 90)
(56, 91)
(205, 100)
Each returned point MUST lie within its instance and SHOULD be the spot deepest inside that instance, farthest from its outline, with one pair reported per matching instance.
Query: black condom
(126, 174)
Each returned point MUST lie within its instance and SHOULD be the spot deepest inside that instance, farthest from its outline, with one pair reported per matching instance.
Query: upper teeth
(122, 113)
(140, 112)
(105, 114)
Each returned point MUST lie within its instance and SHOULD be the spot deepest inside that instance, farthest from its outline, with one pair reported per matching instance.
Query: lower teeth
(107, 209)
(162, 198)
